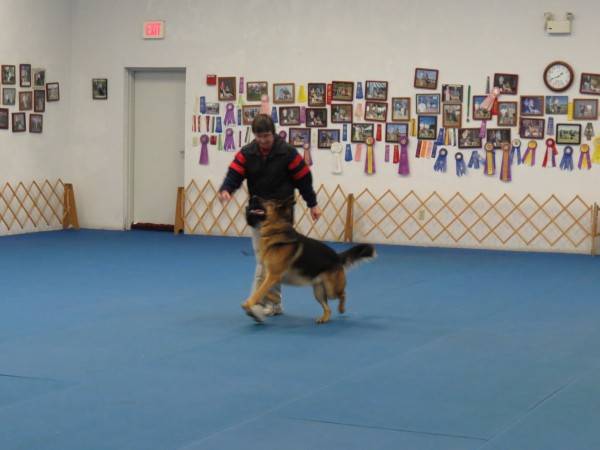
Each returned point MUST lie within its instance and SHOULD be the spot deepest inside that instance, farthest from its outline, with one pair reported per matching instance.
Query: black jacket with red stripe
(272, 177)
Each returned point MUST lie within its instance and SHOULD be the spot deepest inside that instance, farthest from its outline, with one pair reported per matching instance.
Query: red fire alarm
(211, 80)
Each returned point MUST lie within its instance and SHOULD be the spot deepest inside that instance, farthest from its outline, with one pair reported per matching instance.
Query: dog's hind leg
(321, 296)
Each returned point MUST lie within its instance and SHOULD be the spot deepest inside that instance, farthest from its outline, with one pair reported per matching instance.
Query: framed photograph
(226, 89)
(428, 103)
(9, 74)
(361, 131)
(342, 91)
(507, 82)
(426, 78)
(393, 131)
(469, 138)
(25, 75)
(532, 105)
(39, 100)
(427, 127)
(213, 108)
(531, 128)
(18, 122)
(3, 118)
(568, 133)
(507, 114)
(39, 78)
(376, 90)
(36, 123)
(590, 83)
(498, 136)
(452, 93)
(478, 112)
(376, 111)
(316, 117)
(557, 104)
(317, 94)
(255, 90)
(400, 109)
(249, 112)
(9, 96)
(585, 108)
(25, 101)
(52, 92)
(99, 88)
(341, 113)
(327, 137)
(452, 115)
(299, 136)
(289, 115)
(284, 93)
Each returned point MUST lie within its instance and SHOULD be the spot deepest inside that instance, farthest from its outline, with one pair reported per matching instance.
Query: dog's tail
(356, 254)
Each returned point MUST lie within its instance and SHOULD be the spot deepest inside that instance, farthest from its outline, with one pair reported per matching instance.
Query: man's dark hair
(263, 123)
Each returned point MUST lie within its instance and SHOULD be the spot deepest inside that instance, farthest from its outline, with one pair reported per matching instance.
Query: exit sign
(154, 29)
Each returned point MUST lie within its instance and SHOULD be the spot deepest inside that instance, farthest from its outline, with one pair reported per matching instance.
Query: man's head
(264, 130)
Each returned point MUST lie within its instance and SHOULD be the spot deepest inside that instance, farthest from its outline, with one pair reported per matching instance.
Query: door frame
(129, 134)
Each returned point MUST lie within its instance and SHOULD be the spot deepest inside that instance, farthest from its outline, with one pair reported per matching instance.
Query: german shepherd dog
(291, 258)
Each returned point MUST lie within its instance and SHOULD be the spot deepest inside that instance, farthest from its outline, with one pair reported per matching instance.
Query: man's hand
(224, 197)
(315, 213)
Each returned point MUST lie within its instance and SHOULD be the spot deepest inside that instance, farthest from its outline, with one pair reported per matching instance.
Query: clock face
(558, 76)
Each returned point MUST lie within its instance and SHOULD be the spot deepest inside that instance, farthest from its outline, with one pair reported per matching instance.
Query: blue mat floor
(136, 340)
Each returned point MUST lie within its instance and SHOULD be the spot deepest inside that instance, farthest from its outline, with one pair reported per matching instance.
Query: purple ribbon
(229, 141)
(302, 114)
(283, 134)
(483, 129)
(241, 89)
(403, 167)
(229, 115)
(204, 150)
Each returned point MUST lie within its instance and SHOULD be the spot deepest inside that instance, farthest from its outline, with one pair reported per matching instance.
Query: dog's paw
(256, 312)
(323, 319)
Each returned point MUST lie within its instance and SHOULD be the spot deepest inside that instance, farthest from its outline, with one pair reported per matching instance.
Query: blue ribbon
(474, 160)
(274, 114)
(440, 162)
(219, 128)
(239, 117)
(566, 163)
(345, 133)
(550, 127)
(348, 156)
(202, 105)
(461, 167)
(515, 150)
(438, 141)
(359, 90)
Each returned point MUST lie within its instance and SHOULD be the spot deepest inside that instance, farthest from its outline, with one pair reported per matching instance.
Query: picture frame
(532, 105)
(394, 130)
(289, 116)
(342, 91)
(213, 108)
(507, 82)
(36, 123)
(452, 93)
(25, 101)
(376, 111)
(4, 118)
(532, 128)
(568, 133)
(326, 137)
(469, 138)
(498, 136)
(341, 113)
(400, 109)
(249, 112)
(557, 104)
(508, 113)
(284, 93)
(426, 78)
(590, 83)
(478, 113)
(316, 117)
(39, 101)
(376, 90)
(256, 89)
(19, 124)
(452, 115)
(361, 131)
(427, 127)
(39, 77)
(299, 136)
(317, 94)
(100, 88)
(25, 75)
(585, 108)
(9, 96)
(226, 89)
(9, 74)
(52, 92)
(427, 103)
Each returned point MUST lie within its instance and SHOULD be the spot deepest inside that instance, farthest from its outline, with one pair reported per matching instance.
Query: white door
(158, 144)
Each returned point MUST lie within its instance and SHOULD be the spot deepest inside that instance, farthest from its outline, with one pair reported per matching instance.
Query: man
(273, 169)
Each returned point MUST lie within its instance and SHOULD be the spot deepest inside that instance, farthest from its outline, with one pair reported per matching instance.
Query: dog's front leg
(269, 281)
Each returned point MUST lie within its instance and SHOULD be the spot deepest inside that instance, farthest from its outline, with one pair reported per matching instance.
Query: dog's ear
(288, 202)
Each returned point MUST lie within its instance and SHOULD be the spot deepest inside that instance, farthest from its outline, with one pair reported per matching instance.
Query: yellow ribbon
(596, 154)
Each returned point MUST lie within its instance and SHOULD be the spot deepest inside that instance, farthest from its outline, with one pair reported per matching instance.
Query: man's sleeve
(300, 174)
(235, 174)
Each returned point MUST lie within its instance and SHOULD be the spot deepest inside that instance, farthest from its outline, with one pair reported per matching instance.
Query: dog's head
(260, 210)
